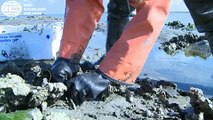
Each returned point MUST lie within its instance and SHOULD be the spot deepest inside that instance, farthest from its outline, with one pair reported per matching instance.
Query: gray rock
(54, 114)
(13, 91)
(200, 48)
(37, 96)
(16, 83)
(35, 114)
(200, 103)
(50, 92)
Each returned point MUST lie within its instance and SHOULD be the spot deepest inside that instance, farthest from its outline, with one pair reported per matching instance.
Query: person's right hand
(63, 69)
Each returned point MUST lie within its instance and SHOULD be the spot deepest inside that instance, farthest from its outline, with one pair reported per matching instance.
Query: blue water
(184, 17)
(186, 71)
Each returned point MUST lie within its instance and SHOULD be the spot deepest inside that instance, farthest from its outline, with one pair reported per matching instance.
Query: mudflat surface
(29, 20)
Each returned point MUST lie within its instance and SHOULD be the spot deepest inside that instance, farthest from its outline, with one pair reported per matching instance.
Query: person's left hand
(86, 86)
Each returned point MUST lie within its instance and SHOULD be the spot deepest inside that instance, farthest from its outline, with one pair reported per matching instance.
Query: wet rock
(44, 106)
(16, 83)
(189, 116)
(181, 101)
(37, 96)
(35, 114)
(117, 89)
(12, 68)
(175, 24)
(55, 91)
(200, 103)
(50, 92)
(32, 71)
(179, 25)
(162, 95)
(148, 85)
(13, 91)
(127, 91)
(148, 99)
(35, 72)
(148, 114)
(166, 84)
(200, 49)
(2, 108)
(188, 41)
(201, 116)
(61, 104)
(129, 96)
(146, 95)
(54, 114)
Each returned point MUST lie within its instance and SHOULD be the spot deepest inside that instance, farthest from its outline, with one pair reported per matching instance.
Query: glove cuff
(117, 86)
(113, 81)
(65, 60)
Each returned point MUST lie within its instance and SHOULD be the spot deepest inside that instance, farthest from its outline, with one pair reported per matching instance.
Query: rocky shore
(29, 95)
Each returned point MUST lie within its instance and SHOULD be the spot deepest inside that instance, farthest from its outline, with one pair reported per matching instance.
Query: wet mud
(21, 94)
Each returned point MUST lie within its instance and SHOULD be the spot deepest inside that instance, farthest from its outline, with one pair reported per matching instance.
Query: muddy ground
(35, 97)
(27, 93)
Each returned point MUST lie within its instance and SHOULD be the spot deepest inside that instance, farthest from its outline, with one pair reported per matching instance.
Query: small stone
(44, 106)
(201, 116)
(159, 110)
(148, 113)
(57, 116)
(129, 96)
(2, 109)
(147, 96)
(35, 114)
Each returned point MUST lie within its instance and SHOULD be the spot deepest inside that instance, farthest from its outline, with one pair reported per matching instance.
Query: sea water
(186, 71)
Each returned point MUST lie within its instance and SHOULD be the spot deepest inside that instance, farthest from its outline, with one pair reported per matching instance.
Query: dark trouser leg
(118, 17)
(202, 14)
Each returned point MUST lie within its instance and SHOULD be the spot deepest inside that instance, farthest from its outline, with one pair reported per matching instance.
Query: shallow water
(186, 71)
(192, 71)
